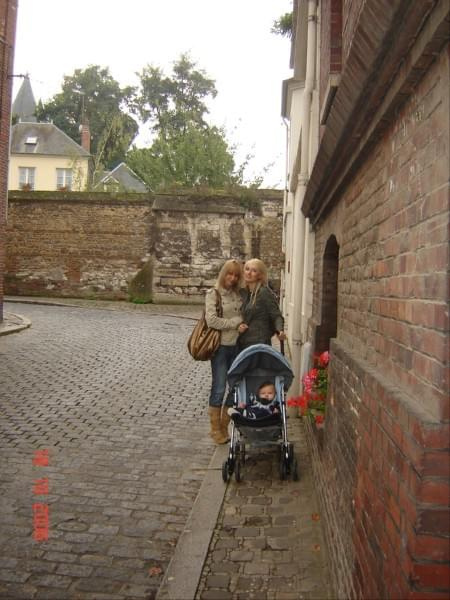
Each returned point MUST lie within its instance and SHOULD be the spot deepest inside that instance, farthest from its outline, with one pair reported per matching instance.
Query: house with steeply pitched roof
(42, 157)
(24, 105)
(121, 179)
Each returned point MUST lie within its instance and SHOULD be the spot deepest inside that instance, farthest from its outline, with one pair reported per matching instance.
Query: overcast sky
(229, 39)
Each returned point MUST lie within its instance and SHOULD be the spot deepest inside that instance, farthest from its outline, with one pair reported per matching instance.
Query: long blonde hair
(262, 270)
(230, 266)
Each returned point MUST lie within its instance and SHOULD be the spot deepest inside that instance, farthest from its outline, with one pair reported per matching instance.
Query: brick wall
(330, 43)
(8, 16)
(383, 473)
(92, 245)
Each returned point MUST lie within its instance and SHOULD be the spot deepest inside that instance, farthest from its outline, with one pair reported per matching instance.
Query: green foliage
(104, 103)
(171, 104)
(186, 151)
(284, 25)
(192, 157)
(140, 287)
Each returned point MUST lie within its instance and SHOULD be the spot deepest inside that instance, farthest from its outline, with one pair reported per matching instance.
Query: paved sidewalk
(268, 542)
(12, 323)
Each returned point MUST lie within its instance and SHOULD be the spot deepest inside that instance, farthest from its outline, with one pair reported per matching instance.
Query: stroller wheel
(237, 471)
(240, 451)
(291, 452)
(294, 469)
(243, 453)
(283, 469)
(225, 474)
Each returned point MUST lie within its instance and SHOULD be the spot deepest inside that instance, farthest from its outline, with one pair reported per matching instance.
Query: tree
(95, 95)
(284, 25)
(197, 157)
(186, 150)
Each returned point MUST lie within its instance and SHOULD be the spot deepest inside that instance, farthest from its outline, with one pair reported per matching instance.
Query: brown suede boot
(216, 430)
(224, 421)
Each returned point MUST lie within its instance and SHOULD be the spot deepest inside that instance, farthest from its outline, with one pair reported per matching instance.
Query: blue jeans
(220, 363)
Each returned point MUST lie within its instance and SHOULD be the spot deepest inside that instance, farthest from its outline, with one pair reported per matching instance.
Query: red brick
(393, 534)
(415, 595)
(431, 437)
(8, 17)
(407, 503)
(436, 464)
(433, 521)
(394, 510)
(431, 548)
(436, 492)
(432, 576)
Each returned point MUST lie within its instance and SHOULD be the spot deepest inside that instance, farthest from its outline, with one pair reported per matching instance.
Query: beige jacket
(228, 324)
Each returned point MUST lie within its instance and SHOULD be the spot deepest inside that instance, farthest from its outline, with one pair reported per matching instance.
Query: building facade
(8, 18)
(366, 217)
(44, 158)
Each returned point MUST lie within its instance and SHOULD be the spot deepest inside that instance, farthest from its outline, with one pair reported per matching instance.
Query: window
(30, 144)
(26, 178)
(63, 179)
(330, 276)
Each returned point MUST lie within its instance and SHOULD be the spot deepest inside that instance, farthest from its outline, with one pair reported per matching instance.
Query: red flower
(313, 373)
(319, 419)
(324, 359)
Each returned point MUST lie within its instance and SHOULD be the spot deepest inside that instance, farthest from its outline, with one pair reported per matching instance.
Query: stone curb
(50, 302)
(183, 574)
(12, 323)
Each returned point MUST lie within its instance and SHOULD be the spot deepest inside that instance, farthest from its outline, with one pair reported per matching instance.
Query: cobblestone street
(120, 406)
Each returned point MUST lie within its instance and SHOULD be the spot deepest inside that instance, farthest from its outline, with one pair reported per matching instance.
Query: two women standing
(250, 316)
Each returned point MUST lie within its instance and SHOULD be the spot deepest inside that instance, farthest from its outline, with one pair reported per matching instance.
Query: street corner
(13, 323)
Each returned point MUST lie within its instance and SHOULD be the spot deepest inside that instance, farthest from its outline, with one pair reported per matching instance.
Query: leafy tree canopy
(94, 91)
(284, 25)
(197, 157)
(170, 104)
(186, 151)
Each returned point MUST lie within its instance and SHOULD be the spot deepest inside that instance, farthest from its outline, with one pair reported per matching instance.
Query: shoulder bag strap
(219, 307)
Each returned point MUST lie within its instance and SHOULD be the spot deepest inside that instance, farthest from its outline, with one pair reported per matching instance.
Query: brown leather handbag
(204, 341)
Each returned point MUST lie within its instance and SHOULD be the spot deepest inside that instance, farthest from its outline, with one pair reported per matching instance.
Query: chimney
(85, 136)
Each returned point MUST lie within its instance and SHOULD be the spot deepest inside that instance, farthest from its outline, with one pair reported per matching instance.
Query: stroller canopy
(260, 360)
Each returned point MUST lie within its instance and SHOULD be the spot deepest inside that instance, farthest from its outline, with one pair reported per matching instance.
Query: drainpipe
(284, 292)
(301, 224)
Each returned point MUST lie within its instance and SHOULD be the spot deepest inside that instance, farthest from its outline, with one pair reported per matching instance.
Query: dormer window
(30, 144)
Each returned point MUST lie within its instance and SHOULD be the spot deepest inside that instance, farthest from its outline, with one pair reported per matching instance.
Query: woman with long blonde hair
(227, 285)
(261, 314)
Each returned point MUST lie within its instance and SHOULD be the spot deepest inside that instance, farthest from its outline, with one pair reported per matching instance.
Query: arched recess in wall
(330, 271)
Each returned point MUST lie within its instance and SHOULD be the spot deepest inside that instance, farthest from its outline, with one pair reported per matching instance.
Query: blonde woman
(228, 285)
(261, 314)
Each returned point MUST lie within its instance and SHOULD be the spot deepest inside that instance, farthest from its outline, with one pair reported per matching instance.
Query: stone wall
(93, 245)
(383, 472)
(8, 16)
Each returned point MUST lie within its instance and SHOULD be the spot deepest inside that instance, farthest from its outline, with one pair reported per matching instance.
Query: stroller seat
(263, 422)
(253, 367)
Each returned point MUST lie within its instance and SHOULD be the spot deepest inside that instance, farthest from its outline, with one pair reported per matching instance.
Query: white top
(232, 318)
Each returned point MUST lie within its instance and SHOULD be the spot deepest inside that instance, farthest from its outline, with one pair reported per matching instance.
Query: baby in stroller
(264, 404)
(259, 378)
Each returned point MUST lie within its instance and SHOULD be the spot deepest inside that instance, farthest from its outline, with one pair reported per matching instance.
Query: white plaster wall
(45, 174)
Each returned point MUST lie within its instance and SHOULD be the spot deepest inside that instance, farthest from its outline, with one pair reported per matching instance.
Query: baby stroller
(252, 367)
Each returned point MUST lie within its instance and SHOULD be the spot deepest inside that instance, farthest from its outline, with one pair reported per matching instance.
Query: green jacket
(264, 318)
